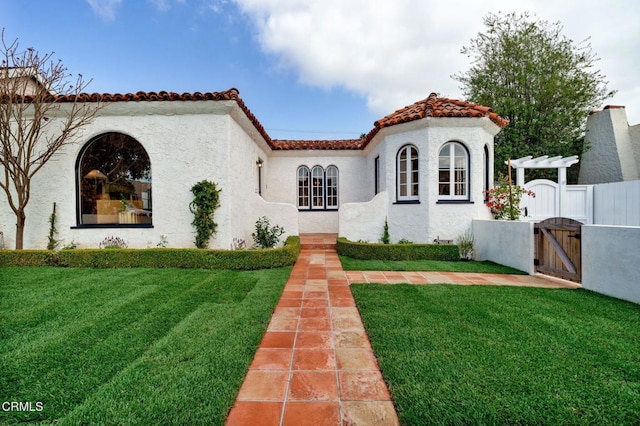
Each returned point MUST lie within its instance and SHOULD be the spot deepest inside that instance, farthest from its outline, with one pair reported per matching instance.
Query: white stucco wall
(610, 261)
(282, 183)
(505, 242)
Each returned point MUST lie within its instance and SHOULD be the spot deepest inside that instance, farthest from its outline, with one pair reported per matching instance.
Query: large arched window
(453, 172)
(114, 182)
(407, 174)
(317, 188)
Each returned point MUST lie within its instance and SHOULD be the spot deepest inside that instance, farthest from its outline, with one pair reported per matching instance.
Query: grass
(456, 355)
(350, 264)
(130, 346)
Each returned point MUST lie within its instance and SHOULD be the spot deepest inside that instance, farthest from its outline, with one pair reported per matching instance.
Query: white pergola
(546, 162)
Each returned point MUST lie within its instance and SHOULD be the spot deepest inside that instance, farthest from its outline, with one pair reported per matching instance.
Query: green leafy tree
(543, 82)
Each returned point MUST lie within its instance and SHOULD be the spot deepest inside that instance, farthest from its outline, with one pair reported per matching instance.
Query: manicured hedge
(157, 258)
(368, 251)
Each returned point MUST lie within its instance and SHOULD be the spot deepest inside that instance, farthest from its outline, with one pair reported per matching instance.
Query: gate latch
(576, 236)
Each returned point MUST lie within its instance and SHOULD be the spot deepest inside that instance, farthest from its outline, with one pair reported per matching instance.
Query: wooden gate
(558, 247)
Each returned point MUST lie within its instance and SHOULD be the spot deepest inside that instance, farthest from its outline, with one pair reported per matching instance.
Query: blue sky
(308, 69)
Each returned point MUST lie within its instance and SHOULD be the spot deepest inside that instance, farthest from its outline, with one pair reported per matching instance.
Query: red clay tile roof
(280, 144)
(432, 106)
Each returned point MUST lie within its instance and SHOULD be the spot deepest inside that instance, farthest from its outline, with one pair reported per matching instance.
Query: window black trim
(113, 225)
(455, 202)
(407, 202)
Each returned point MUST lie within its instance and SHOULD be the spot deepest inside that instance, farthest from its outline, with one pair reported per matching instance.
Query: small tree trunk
(21, 219)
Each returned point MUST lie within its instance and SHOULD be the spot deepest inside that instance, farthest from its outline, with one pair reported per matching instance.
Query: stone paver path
(315, 365)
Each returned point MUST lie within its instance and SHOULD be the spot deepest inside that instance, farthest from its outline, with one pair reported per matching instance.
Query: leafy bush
(405, 241)
(504, 201)
(266, 236)
(157, 258)
(397, 251)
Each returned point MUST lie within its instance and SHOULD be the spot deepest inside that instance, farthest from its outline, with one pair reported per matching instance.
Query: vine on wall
(206, 199)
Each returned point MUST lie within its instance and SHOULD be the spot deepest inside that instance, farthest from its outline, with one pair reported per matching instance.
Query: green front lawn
(130, 346)
(505, 355)
(350, 264)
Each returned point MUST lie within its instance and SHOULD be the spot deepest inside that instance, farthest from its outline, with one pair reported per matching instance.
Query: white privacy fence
(603, 204)
(617, 203)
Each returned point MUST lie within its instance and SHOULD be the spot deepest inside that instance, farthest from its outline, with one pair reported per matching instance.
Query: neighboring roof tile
(432, 106)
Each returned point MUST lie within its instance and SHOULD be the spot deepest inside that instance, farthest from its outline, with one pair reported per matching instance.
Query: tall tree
(41, 111)
(543, 82)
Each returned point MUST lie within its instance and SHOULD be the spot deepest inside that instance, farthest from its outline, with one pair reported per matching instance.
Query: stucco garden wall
(364, 221)
(506, 242)
(610, 260)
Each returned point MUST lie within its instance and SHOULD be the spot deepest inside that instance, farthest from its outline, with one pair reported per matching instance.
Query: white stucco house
(129, 173)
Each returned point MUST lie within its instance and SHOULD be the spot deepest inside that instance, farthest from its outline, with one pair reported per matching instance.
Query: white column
(562, 189)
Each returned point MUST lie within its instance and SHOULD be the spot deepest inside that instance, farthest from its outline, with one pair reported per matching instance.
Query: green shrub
(157, 258)
(266, 236)
(368, 251)
(386, 238)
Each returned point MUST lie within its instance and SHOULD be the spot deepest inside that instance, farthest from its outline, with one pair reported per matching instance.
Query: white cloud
(395, 52)
(106, 9)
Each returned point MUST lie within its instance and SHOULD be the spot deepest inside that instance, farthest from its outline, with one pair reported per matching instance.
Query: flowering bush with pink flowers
(505, 203)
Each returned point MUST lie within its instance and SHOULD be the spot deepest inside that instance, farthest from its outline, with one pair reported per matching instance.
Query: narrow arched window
(453, 172)
(407, 174)
(114, 182)
(303, 187)
(332, 186)
(317, 187)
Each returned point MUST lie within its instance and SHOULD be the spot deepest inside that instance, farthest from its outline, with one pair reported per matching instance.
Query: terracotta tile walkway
(315, 365)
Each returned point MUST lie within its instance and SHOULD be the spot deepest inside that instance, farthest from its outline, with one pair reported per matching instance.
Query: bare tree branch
(41, 111)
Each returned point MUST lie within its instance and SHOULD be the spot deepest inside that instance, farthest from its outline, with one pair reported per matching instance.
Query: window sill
(113, 225)
(318, 210)
(407, 202)
(454, 202)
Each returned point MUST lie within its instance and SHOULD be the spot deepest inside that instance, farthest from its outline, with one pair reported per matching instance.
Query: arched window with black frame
(114, 182)
(453, 172)
(317, 188)
(407, 174)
